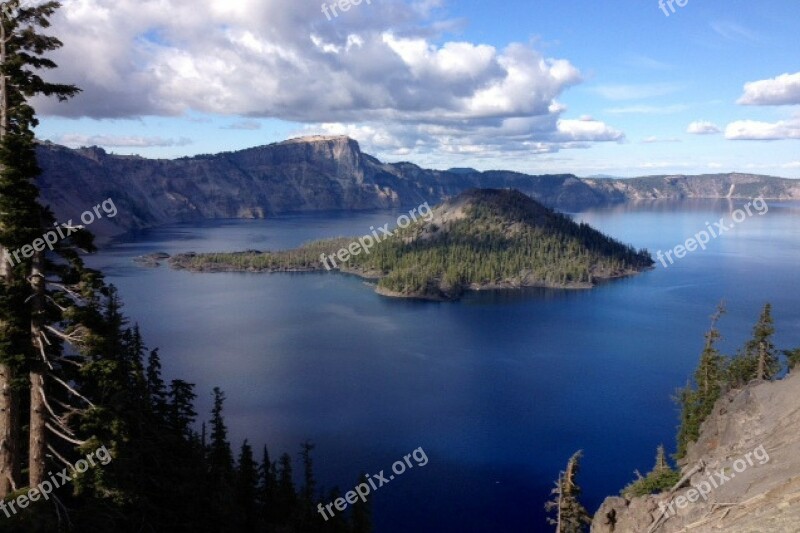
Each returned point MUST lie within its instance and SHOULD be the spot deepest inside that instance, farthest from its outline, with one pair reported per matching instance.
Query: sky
(622, 88)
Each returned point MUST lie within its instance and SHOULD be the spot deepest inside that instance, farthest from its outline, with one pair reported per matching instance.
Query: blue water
(498, 389)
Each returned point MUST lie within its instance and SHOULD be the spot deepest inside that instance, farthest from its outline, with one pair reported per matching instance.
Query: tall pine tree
(26, 307)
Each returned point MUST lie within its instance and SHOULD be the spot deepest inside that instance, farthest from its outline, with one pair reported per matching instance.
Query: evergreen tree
(247, 488)
(758, 360)
(220, 466)
(661, 460)
(362, 512)
(220, 455)
(25, 313)
(309, 483)
(697, 402)
(182, 415)
(268, 484)
(662, 477)
(762, 348)
(156, 388)
(793, 358)
(286, 496)
(571, 516)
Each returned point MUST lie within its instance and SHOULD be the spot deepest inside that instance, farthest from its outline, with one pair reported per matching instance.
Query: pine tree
(309, 483)
(156, 388)
(661, 460)
(22, 50)
(247, 487)
(182, 415)
(286, 496)
(758, 360)
(697, 400)
(792, 358)
(571, 516)
(662, 477)
(762, 348)
(362, 512)
(268, 484)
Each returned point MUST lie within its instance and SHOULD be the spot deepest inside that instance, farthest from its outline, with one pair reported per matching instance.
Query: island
(482, 239)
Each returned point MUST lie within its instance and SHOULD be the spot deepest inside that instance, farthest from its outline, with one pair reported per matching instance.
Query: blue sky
(541, 87)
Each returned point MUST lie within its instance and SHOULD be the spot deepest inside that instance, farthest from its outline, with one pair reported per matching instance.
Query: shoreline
(373, 278)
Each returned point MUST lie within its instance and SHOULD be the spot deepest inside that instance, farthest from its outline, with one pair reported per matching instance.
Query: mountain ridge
(328, 173)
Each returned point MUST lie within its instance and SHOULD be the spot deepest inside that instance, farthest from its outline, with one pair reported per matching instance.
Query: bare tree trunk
(37, 441)
(9, 432)
(762, 362)
(38, 438)
(9, 400)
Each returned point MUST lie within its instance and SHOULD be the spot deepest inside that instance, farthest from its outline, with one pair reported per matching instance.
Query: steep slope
(326, 173)
(761, 493)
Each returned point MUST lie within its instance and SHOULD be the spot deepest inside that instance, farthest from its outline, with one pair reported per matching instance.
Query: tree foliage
(570, 515)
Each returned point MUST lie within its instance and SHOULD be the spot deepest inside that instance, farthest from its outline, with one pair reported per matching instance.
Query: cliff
(322, 174)
(745, 472)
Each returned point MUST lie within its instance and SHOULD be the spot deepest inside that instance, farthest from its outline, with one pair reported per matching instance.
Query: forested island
(482, 239)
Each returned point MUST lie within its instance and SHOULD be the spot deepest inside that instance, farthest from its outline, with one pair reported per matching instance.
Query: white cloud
(648, 109)
(751, 130)
(733, 31)
(782, 90)
(76, 140)
(532, 135)
(703, 127)
(654, 140)
(636, 92)
(285, 60)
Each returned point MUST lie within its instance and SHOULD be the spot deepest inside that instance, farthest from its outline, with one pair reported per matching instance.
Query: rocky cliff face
(324, 173)
(745, 472)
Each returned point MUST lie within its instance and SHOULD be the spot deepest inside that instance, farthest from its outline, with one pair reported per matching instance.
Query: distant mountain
(325, 173)
(482, 239)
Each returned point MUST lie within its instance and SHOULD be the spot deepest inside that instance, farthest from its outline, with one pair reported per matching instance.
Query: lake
(498, 389)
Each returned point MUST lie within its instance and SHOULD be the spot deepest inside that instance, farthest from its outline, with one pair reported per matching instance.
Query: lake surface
(498, 389)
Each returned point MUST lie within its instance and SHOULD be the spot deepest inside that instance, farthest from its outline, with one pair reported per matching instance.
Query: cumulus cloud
(703, 127)
(76, 140)
(782, 90)
(752, 130)
(382, 63)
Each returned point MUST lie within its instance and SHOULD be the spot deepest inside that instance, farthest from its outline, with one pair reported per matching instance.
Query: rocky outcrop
(324, 174)
(743, 473)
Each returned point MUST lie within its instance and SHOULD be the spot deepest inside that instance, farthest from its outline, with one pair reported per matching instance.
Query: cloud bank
(378, 72)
